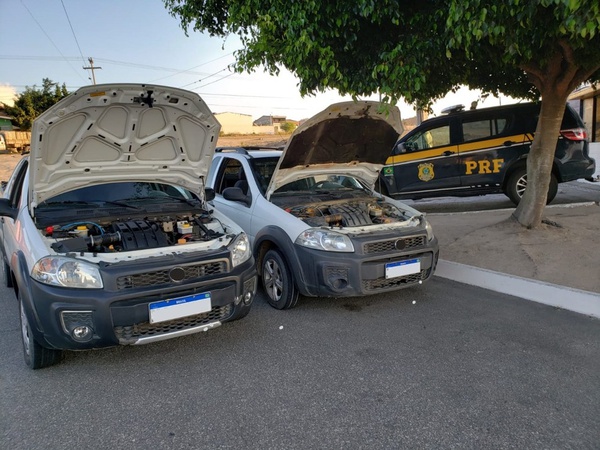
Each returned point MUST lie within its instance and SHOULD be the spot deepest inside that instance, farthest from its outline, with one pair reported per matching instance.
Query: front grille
(393, 245)
(336, 272)
(162, 276)
(387, 283)
(130, 334)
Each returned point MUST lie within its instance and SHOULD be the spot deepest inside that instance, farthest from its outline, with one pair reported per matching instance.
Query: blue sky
(138, 41)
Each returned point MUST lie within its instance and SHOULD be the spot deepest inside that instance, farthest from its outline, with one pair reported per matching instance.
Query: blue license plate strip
(176, 308)
(402, 268)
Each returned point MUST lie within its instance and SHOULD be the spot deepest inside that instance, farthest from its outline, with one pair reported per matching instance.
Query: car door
(232, 172)
(488, 144)
(12, 191)
(426, 159)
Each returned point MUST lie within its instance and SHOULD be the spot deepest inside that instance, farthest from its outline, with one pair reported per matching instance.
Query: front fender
(22, 286)
(274, 237)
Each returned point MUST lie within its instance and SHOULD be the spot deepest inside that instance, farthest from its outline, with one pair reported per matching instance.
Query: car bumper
(122, 317)
(331, 274)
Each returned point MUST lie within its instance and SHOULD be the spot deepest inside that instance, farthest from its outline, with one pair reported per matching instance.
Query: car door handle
(448, 153)
(509, 143)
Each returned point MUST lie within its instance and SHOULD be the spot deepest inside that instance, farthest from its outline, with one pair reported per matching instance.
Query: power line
(50, 39)
(216, 81)
(112, 61)
(195, 67)
(73, 31)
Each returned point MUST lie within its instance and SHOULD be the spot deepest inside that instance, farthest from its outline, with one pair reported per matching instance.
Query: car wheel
(517, 183)
(278, 281)
(36, 356)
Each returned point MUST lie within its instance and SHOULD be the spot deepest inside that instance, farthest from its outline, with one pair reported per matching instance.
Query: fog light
(338, 283)
(78, 324)
(249, 290)
(82, 333)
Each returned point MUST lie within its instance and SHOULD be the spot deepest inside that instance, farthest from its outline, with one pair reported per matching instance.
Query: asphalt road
(568, 193)
(443, 365)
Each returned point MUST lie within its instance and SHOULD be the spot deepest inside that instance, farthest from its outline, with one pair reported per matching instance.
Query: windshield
(263, 169)
(121, 193)
(114, 199)
(322, 183)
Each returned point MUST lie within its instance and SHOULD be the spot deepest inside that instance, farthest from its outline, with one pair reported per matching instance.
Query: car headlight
(67, 272)
(327, 240)
(240, 249)
(429, 230)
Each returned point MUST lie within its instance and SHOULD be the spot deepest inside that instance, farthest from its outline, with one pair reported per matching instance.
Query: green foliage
(288, 127)
(419, 51)
(32, 102)
(538, 37)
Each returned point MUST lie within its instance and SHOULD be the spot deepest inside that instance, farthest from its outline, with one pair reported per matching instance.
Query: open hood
(349, 138)
(122, 132)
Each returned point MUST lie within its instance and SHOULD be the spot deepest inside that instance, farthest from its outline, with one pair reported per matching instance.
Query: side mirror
(209, 194)
(235, 194)
(403, 147)
(7, 210)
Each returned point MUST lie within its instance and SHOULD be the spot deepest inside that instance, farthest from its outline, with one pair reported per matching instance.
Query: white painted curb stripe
(583, 302)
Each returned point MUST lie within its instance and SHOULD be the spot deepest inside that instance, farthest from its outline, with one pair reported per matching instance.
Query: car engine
(348, 213)
(133, 233)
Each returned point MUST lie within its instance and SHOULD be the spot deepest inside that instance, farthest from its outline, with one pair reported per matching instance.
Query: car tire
(517, 183)
(240, 312)
(278, 281)
(36, 356)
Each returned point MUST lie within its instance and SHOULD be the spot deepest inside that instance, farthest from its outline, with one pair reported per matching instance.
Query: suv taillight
(574, 134)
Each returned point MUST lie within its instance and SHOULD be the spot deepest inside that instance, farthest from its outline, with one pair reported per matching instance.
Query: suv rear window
(483, 129)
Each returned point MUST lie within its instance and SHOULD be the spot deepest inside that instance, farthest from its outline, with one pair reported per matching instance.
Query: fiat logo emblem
(177, 274)
(400, 244)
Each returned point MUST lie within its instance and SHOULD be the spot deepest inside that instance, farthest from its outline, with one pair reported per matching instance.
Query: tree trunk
(555, 80)
(540, 159)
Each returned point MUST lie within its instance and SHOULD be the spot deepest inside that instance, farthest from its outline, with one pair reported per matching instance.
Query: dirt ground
(567, 254)
(253, 140)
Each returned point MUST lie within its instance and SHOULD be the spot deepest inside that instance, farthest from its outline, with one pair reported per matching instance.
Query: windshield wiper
(155, 200)
(67, 203)
(117, 203)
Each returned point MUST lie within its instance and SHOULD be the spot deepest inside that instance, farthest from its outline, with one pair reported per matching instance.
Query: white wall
(233, 123)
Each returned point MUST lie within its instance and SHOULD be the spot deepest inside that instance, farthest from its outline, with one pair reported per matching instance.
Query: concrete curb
(579, 301)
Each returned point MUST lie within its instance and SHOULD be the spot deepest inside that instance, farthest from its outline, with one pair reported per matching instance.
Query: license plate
(175, 308)
(401, 268)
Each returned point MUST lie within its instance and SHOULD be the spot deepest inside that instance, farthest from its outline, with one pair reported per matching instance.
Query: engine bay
(345, 213)
(110, 235)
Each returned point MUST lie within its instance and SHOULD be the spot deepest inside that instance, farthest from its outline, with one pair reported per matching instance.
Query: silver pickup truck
(106, 235)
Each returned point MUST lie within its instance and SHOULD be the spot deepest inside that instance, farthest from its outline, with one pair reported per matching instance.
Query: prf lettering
(483, 166)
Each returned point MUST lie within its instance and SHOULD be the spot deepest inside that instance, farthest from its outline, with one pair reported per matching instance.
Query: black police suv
(483, 151)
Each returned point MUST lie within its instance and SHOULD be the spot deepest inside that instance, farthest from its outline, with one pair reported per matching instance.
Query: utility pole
(92, 68)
